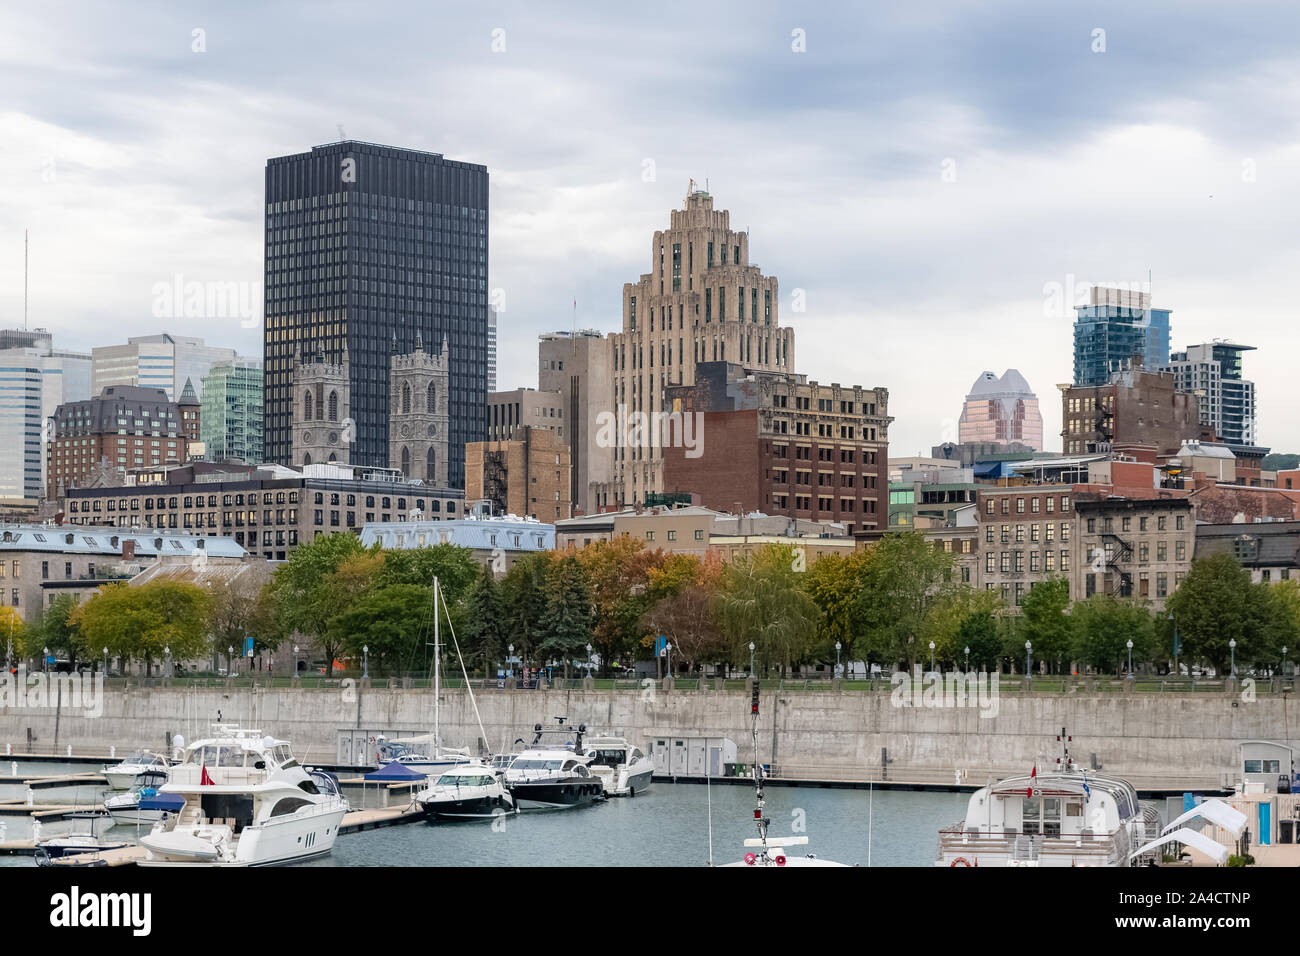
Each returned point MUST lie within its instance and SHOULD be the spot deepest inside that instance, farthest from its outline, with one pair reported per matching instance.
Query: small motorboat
(122, 776)
(143, 803)
(85, 837)
(471, 791)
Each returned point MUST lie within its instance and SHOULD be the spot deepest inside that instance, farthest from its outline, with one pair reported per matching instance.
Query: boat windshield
(464, 780)
(537, 764)
(608, 757)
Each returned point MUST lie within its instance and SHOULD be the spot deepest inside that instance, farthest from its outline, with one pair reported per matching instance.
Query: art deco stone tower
(418, 421)
(702, 301)
(323, 429)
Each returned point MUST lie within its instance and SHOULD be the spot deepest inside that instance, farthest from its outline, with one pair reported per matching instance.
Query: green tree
(566, 624)
(139, 622)
(761, 598)
(1216, 604)
(979, 631)
(392, 623)
(523, 590)
(684, 589)
(1103, 626)
(832, 583)
(618, 572)
(945, 616)
(487, 624)
(305, 593)
(902, 576)
(1045, 622)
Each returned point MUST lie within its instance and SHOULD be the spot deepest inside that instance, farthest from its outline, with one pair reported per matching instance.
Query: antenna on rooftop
(24, 280)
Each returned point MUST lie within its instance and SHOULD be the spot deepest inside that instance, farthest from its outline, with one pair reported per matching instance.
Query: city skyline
(986, 202)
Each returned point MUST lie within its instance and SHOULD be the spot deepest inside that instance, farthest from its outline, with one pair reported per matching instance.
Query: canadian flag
(205, 780)
(1032, 775)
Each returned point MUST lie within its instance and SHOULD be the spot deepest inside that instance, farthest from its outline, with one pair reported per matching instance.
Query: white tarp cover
(1211, 848)
(1216, 812)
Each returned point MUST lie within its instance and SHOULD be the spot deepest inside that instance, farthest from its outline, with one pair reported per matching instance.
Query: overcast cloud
(134, 159)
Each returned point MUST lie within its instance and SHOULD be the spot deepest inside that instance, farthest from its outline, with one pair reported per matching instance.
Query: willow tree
(761, 598)
(902, 577)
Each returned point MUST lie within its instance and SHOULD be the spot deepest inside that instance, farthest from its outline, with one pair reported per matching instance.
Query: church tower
(417, 421)
(322, 422)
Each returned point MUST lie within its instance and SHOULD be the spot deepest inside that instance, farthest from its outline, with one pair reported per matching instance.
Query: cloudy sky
(932, 176)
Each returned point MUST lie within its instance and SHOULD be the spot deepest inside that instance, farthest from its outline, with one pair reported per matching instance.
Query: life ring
(960, 860)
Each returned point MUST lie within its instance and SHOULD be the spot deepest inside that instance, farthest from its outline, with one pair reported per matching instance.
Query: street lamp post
(365, 661)
(1029, 659)
(932, 656)
(837, 658)
(230, 660)
(1283, 660)
(1174, 627)
(589, 660)
(668, 646)
(968, 657)
(1129, 645)
(45, 661)
(751, 658)
(106, 662)
(167, 661)
(295, 661)
(1232, 646)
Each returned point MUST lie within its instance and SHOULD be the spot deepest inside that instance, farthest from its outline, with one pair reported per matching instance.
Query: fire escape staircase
(1118, 552)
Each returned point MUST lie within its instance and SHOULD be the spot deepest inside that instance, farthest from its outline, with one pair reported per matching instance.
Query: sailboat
(425, 753)
(764, 850)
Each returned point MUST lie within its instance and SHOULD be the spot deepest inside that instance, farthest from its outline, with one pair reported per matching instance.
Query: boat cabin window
(608, 758)
(231, 757)
(289, 805)
(534, 764)
(569, 764)
(1041, 815)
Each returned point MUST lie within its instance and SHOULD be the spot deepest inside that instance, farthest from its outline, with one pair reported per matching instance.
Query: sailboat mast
(435, 667)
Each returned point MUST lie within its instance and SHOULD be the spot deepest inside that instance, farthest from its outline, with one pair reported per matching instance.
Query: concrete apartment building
(776, 443)
(268, 509)
(1213, 370)
(525, 408)
(123, 427)
(576, 365)
(1132, 548)
(1135, 406)
(528, 474)
(702, 301)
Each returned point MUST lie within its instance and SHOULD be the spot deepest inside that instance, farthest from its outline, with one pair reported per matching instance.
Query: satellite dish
(268, 742)
(179, 741)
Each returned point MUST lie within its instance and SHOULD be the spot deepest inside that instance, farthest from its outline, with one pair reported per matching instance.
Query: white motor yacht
(553, 776)
(623, 769)
(122, 776)
(247, 802)
(1063, 817)
(469, 791)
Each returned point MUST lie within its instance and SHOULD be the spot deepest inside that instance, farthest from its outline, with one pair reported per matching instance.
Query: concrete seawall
(807, 733)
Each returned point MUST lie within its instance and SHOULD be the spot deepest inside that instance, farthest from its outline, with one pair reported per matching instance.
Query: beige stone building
(526, 475)
(524, 408)
(702, 301)
(576, 365)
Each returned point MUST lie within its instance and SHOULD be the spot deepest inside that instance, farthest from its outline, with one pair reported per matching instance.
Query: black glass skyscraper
(367, 247)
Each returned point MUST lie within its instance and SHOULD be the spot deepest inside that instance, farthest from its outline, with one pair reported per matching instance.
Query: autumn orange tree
(618, 575)
(682, 591)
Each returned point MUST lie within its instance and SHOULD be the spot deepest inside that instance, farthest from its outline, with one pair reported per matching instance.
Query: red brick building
(778, 443)
(1136, 406)
(124, 427)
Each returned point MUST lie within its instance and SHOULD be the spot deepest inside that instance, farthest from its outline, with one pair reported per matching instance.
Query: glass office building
(368, 247)
(34, 382)
(231, 411)
(1113, 327)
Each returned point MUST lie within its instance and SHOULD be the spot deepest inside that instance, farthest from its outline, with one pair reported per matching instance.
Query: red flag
(205, 780)
(1029, 792)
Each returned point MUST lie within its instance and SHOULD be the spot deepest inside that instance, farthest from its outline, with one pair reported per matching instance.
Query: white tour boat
(247, 802)
(622, 768)
(1063, 817)
(122, 776)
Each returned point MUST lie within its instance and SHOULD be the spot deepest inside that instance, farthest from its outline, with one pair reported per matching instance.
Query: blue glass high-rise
(1108, 336)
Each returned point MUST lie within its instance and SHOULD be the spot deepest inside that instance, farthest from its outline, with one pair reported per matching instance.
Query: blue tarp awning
(393, 773)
